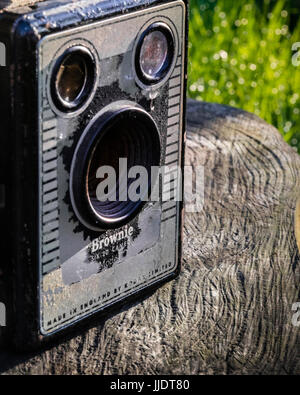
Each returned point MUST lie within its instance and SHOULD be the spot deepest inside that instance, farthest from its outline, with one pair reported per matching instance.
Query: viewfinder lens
(73, 79)
(155, 54)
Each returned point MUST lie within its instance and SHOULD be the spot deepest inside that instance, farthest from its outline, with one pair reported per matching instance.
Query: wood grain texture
(6, 4)
(230, 310)
(297, 223)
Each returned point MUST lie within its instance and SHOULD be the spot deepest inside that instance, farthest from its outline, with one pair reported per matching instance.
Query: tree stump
(6, 4)
(230, 310)
(297, 223)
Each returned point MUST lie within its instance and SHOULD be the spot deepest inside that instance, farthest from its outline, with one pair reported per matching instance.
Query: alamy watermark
(2, 314)
(2, 55)
(296, 315)
(133, 184)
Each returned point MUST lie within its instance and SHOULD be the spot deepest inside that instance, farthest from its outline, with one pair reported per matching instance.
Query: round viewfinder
(111, 148)
(155, 53)
(73, 78)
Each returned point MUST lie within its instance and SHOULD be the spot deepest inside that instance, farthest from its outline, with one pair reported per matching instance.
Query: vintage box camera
(89, 87)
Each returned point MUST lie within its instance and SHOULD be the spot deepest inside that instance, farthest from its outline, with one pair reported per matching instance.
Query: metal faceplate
(80, 272)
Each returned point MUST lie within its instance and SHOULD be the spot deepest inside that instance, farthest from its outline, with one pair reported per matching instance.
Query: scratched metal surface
(65, 245)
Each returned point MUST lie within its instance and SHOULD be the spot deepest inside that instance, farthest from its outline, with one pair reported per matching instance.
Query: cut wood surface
(6, 4)
(297, 223)
(230, 310)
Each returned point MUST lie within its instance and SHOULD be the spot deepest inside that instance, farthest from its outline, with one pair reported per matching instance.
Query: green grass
(241, 55)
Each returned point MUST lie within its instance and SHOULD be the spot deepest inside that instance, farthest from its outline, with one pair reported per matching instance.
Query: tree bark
(230, 310)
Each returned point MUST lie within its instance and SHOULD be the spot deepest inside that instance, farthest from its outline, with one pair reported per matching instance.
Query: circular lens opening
(120, 142)
(155, 53)
(73, 78)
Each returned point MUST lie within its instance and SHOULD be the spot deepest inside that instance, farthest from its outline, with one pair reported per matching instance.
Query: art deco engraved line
(50, 246)
(171, 158)
(170, 175)
(171, 169)
(169, 208)
(50, 186)
(48, 135)
(174, 162)
(174, 110)
(49, 145)
(176, 81)
(49, 196)
(47, 268)
(50, 256)
(50, 206)
(170, 187)
(50, 227)
(173, 121)
(172, 139)
(167, 205)
(49, 124)
(171, 211)
(174, 100)
(172, 130)
(50, 236)
(50, 216)
(175, 92)
(169, 218)
(48, 166)
(49, 155)
(49, 176)
(50, 224)
(172, 148)
(177, 71)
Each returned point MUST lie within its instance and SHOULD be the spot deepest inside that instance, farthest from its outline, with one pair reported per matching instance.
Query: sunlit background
(244, 54)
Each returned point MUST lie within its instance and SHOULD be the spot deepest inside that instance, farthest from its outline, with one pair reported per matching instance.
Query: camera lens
(130, 135)
(155, 53)
(73, 78)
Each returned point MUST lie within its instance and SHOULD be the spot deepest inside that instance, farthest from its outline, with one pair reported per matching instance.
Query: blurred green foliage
(241, 55)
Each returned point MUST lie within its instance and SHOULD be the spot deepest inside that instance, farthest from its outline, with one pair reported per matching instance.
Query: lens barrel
(73, 79)
(128, 134)
(154, 53)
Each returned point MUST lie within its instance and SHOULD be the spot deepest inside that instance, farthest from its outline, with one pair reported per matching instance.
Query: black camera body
(88, 85)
